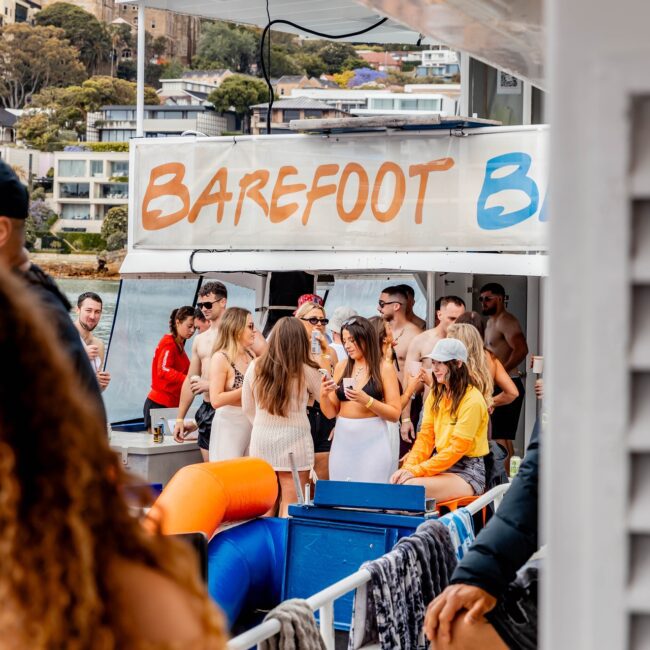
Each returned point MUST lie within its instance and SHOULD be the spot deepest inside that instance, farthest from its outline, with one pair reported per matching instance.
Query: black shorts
(321, 427)
(146, 410)
(203, 417)
(414, 414)
(515, 615)
(505, 419)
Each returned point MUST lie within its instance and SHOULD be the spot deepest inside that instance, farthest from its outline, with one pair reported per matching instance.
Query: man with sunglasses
(505, 339)
(212, 301)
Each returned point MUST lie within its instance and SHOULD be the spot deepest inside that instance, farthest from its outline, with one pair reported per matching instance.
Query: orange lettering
(280, 213)
(250, 185)
(423, 171)
(220, 197)
(362, 197)
(319, 191)
(152, 219)
(398, 195)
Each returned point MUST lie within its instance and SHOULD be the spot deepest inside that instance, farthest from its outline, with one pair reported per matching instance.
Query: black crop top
(370, 389)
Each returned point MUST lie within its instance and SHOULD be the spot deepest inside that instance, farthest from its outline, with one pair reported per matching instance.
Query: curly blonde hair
(479, 371)
(64, 518)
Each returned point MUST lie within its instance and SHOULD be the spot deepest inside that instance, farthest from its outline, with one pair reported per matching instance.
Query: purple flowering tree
(364, 76)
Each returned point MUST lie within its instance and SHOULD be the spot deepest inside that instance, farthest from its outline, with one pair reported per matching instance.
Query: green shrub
(86, 242)
(106, 146)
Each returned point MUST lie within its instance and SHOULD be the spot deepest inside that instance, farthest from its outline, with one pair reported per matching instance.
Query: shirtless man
(212, 302)
(89, 313)
(410, 302)
(504, 338)
(451, 307)
(392, 307)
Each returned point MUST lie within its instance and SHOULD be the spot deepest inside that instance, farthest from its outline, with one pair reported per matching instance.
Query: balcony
(74, 190)
(113, 191)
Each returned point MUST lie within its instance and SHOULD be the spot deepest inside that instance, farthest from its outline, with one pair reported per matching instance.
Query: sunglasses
(383, 303)
(207, 305)
(316, 321)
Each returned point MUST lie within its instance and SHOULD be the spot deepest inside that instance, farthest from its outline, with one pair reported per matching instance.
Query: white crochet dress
(274, 436)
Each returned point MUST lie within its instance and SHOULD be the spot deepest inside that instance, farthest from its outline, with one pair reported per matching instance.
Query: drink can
(515, 464)
(315, 343)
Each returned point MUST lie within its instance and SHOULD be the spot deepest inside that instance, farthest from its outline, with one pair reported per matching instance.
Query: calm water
(107, 289)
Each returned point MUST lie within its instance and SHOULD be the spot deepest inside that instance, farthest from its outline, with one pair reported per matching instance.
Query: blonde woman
(231, 430)
(312, 316)
(277, 387)
(506, 388)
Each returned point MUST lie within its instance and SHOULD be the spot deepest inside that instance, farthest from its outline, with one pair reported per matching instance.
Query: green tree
(312, 64)
(65, 109)
(282, 63)
(33, 58)
(239, 93)
(226, 46)
(337, 57)
(115, 228)
(83, 30)
(121, 39)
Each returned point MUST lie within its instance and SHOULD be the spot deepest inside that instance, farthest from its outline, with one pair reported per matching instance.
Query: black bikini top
(370, 389)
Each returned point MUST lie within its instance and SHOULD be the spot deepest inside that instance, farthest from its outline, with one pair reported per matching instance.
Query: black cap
(14, 198)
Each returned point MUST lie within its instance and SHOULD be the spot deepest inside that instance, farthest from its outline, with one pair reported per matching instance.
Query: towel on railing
(461, 528)
(298, 629)
(389, 610)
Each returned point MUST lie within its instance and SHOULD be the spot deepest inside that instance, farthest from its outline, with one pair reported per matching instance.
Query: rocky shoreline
(97, 267)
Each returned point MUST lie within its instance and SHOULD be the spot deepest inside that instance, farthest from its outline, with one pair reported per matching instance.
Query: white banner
(401, 192)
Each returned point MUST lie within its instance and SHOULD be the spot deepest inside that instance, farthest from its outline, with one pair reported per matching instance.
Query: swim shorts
(505, 419)
(515, 615)
(203, 417)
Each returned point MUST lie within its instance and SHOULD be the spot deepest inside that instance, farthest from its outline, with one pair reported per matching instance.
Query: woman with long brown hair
(276, 389)
(77, 569)
(231, 431)
(454, 427)
(364, 396)
(313, 318)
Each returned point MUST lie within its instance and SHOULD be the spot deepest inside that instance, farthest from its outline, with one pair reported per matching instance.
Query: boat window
(141, 319)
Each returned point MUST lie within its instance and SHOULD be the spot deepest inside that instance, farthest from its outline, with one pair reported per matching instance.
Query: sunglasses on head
(207, 305)
(383, 303)
(316, 321)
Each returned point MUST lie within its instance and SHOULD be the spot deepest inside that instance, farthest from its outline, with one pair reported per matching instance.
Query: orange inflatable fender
(200, 497)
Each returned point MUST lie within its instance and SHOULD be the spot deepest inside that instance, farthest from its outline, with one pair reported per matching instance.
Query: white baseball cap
(340, 315)
(449, 350)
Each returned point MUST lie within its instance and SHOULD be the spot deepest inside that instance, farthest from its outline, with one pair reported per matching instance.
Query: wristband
(406, 420)
(370, 401)
(180, 420)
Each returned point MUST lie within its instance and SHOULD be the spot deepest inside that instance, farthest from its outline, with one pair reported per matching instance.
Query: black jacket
(58, 307)
(510, 537)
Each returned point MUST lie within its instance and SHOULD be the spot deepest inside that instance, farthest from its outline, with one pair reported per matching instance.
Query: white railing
(323, 601)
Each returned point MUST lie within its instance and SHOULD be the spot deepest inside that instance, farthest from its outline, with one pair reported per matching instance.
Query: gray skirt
(472, 471)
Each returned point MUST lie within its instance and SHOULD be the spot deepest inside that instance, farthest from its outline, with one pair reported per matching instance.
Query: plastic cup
(538, 365)
(348, 382)
(413, 368)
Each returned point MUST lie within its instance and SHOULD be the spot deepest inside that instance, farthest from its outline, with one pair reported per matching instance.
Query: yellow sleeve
(468, 423)
(424, 442)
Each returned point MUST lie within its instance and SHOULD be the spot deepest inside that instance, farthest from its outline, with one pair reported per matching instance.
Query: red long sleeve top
(168, 370)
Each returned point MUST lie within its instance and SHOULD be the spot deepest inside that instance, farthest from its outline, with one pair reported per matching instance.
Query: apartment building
(87, 185)
(193, 88)
(18, 11)
(118, 123)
